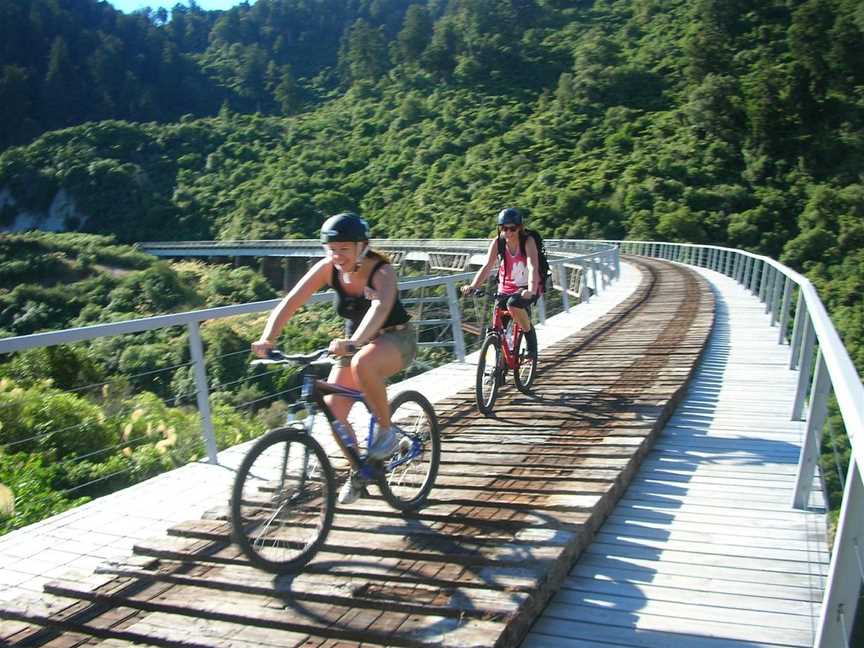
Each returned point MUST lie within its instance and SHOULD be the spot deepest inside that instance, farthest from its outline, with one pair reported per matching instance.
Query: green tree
(362, 53)
(416, 33)
(59, 90)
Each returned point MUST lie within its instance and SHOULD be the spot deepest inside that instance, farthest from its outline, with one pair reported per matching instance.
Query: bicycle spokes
(413, 465)
(283, 501)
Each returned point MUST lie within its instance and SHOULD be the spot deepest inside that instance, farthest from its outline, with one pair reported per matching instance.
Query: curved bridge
(518, 500)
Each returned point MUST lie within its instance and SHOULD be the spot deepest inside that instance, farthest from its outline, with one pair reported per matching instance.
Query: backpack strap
(380, 263)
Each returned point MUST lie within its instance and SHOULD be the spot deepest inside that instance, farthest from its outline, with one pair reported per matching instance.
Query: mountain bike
(284, 494)
(504, 348)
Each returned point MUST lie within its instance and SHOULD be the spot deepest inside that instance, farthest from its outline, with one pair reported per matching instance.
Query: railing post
(769, 289)
(805, 364)
(196, 348)
(455, 322)
(763, 282)
(756, 277)
(843, 583)
(816, 414)
(565, 286)
(797, 330)
(776, 298)
(594, 271)
(784, 310)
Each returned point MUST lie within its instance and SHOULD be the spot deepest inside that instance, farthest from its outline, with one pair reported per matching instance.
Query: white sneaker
(384, 444)
(352, 489)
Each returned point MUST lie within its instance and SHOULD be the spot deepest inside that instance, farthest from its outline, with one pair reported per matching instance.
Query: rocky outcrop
(62, 215)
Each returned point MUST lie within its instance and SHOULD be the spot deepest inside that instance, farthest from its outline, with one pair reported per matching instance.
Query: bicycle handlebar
(275, 356)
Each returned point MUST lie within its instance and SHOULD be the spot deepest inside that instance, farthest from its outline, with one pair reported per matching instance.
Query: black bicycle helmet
(344, 227)
(509, 216)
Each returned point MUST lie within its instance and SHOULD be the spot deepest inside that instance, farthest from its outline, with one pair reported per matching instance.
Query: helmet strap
(346, 276)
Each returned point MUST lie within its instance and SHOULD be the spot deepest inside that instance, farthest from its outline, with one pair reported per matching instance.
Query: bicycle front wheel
(283, 500)
(411, 471)
(526, 365)
(488, 373)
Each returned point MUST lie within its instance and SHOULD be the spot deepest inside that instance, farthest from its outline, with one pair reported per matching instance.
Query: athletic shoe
(352, 489)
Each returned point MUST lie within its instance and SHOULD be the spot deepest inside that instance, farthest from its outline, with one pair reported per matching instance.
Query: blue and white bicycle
(284, 494)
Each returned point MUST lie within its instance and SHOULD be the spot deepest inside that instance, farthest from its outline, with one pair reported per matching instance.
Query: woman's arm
(382, 297)
(533, 266)
(482, 273)
(315, 278)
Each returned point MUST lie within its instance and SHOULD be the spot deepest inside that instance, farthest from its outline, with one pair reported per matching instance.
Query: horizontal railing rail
(824, 367)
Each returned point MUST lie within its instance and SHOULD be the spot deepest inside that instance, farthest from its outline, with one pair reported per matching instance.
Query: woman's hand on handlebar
(262, 348)
(468, 289)
(341, 347)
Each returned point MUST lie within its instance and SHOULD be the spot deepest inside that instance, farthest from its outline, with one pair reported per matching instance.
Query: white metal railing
(823, 366)
(596, 270)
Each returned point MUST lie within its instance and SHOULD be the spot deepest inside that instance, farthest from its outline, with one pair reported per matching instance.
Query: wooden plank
(417, 597)
(328, 620)
(700, 591)
(652, 633)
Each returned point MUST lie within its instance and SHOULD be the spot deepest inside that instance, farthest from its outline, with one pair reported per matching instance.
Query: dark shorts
(515, 300)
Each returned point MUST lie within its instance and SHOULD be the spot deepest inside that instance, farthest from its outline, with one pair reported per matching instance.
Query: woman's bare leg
(371, 366)
(341, 405)
(521, 317)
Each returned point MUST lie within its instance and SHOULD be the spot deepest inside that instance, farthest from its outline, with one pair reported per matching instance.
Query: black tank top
(354, 307)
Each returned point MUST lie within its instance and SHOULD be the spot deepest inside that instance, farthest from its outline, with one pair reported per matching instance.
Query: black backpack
(542, 261)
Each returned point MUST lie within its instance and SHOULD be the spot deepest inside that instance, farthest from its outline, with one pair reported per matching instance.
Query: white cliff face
(60, 213)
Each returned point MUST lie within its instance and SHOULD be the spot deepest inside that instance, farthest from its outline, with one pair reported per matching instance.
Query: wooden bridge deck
(519, 497)
(704, 550)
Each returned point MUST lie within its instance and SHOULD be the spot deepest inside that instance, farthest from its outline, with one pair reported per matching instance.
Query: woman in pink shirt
(518, 275)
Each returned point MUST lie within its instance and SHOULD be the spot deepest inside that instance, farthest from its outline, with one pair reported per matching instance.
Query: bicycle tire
(526, 365)
(488, 374)
(282, 533)
(411, 471)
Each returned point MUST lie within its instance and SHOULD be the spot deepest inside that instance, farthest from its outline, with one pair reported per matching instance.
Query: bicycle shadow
(484, 578)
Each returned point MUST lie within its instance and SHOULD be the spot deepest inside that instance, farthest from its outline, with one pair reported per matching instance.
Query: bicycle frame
(313, 392)
(498, 328)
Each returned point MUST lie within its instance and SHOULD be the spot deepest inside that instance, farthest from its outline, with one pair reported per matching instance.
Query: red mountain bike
(503, 348)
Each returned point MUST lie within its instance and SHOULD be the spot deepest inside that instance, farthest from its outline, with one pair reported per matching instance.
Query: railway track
(518, 498)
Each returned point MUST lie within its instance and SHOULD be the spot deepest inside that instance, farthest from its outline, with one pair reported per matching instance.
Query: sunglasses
(509, 228)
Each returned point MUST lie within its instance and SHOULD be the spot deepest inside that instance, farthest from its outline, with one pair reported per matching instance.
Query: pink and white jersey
(513, 272)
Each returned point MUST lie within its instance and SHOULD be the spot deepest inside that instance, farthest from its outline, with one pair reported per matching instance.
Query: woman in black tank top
(379, 340)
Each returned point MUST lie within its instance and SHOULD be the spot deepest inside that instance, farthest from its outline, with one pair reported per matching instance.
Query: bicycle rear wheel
(411, 471)
(526, 365)
(283, 500)
(488, 373)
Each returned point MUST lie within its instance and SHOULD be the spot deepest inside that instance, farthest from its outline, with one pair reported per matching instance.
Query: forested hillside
(66, 62)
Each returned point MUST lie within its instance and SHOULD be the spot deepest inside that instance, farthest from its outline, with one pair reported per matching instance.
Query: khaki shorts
(402, 336)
